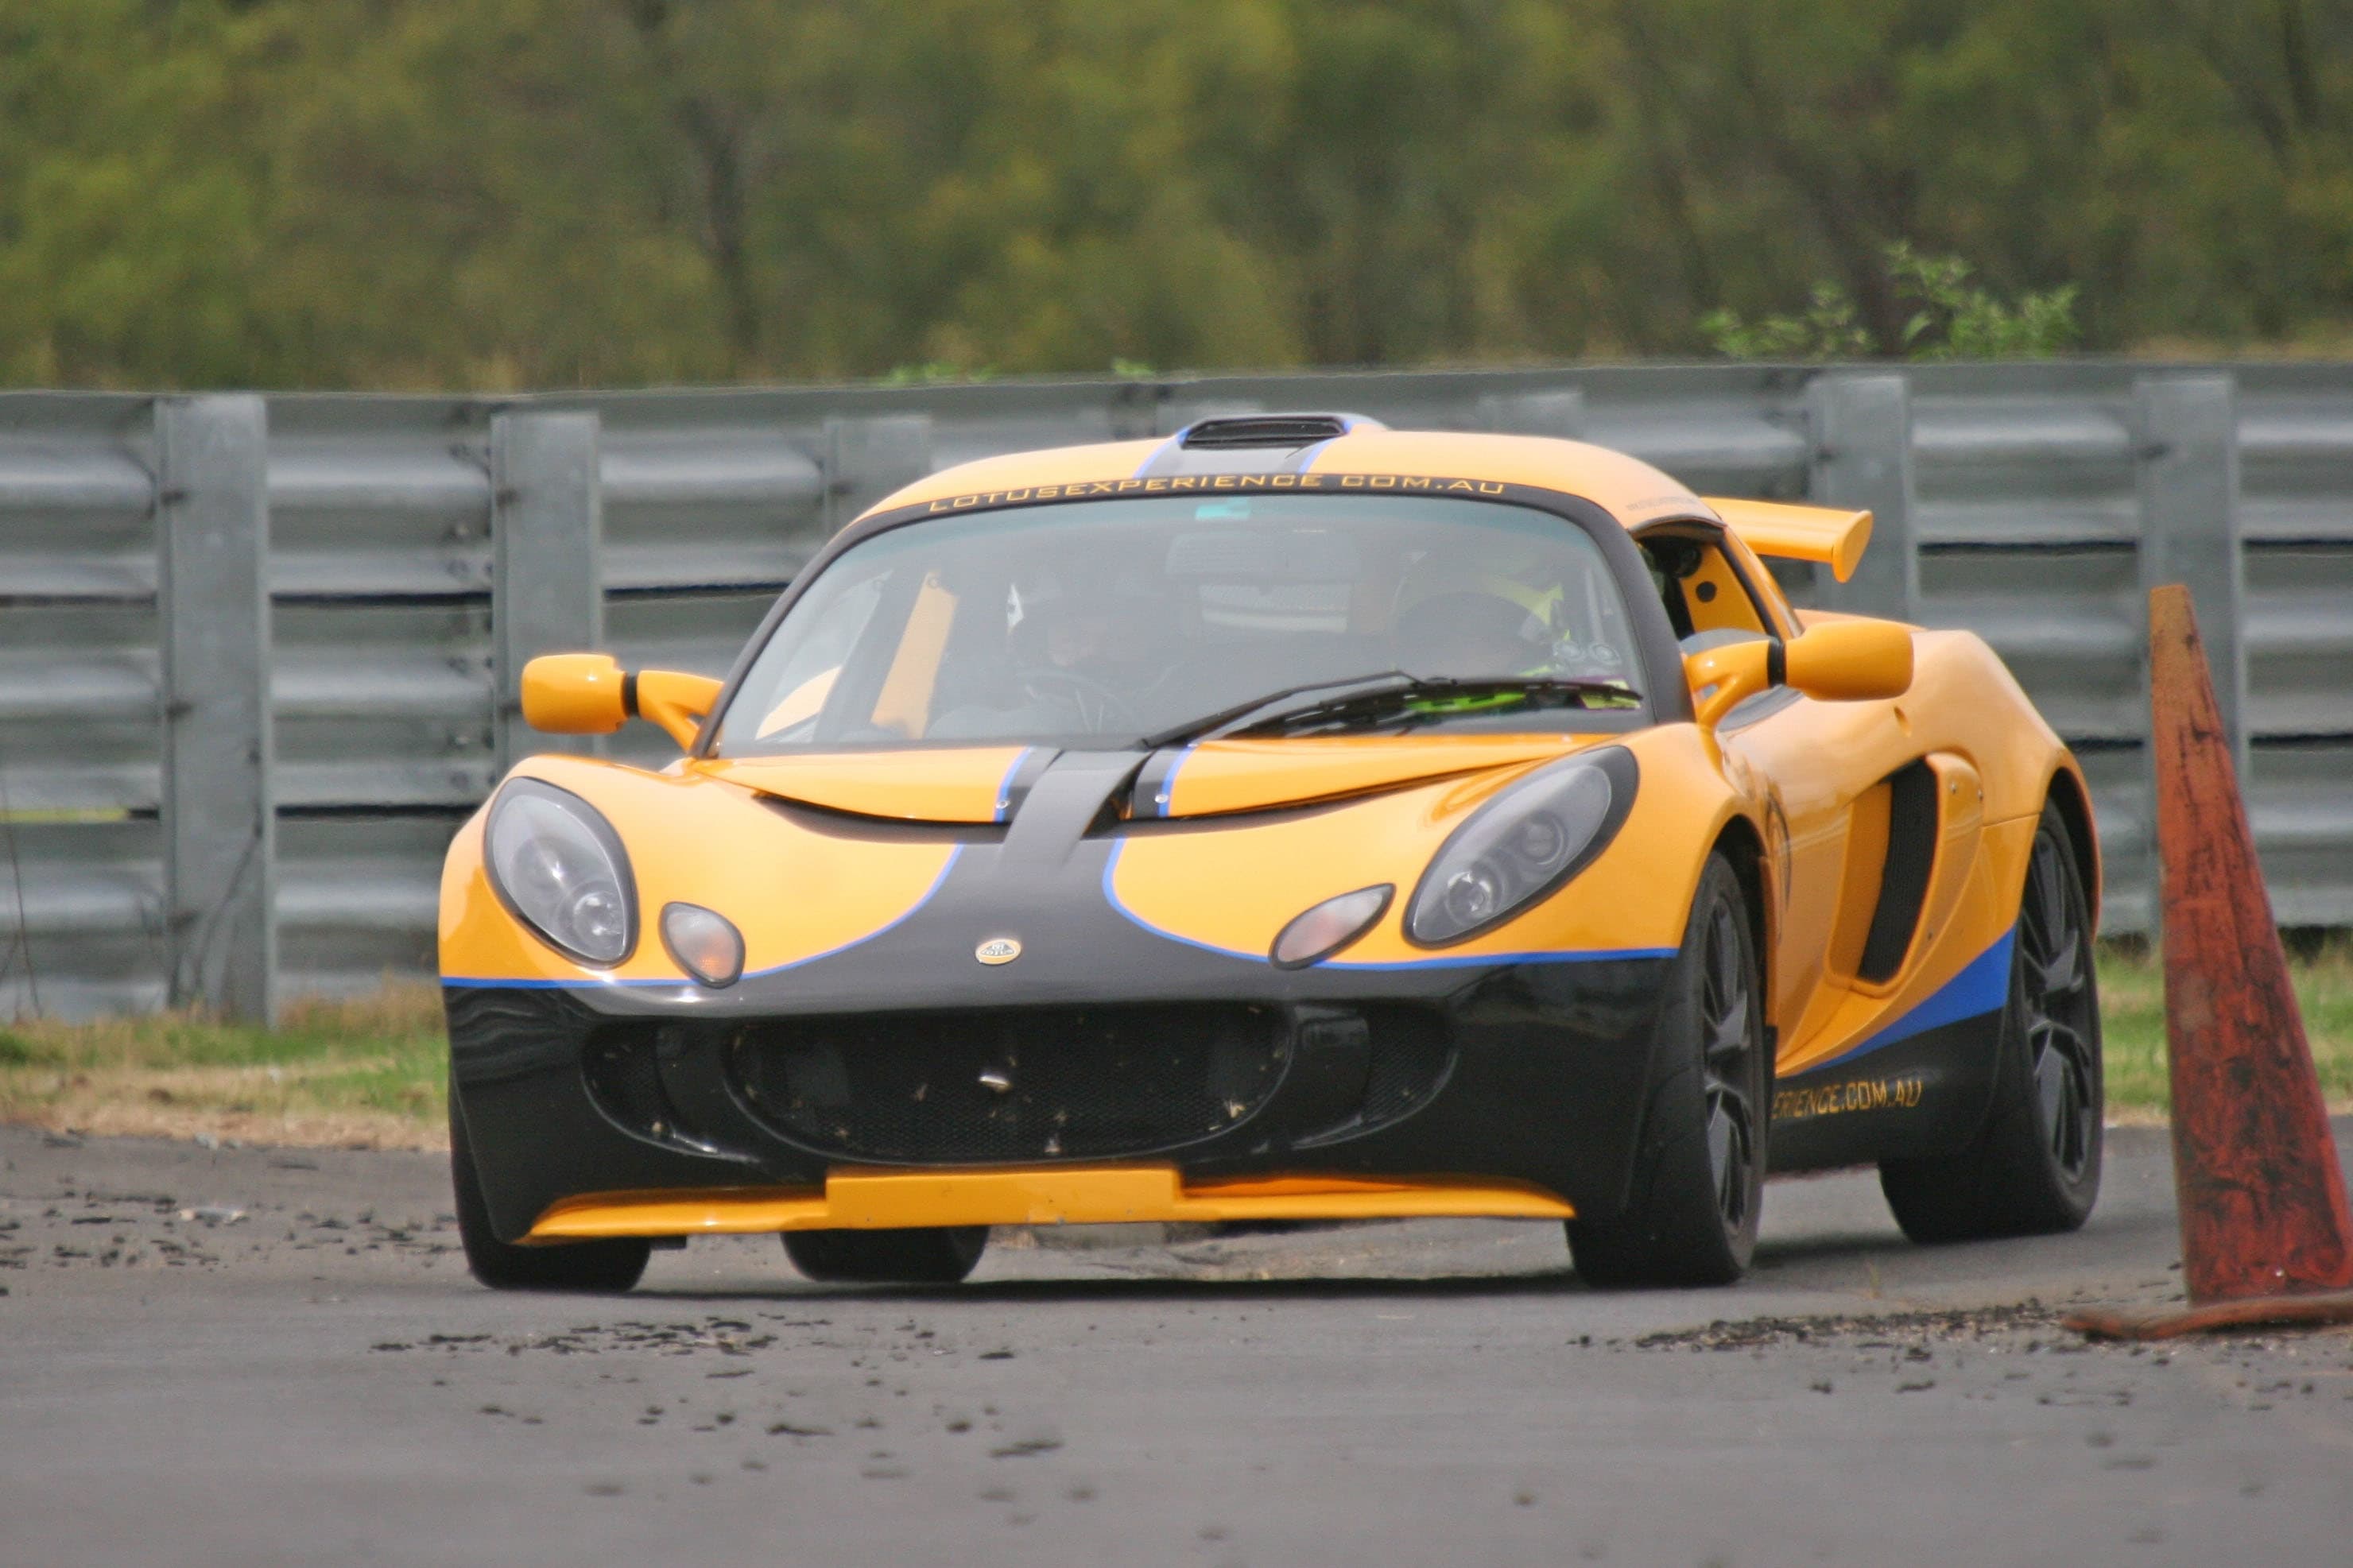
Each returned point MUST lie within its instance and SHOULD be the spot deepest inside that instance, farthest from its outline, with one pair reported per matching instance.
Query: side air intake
(1241, 432)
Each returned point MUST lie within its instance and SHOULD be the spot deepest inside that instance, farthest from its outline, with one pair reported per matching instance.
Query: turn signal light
(706, 943)
(1324, 930)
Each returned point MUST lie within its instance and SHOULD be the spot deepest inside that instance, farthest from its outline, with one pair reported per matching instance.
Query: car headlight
(1522, 844)
(561, 870)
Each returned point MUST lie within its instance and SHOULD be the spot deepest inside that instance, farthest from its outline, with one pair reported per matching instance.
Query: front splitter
(855, 1199)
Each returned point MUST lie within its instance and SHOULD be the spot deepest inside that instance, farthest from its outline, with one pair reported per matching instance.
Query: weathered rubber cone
(2266, 1234)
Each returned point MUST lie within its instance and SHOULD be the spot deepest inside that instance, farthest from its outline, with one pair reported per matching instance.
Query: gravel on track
(256, 1356)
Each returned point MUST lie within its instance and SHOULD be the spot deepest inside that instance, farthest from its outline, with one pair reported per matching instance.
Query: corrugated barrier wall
(201, 801)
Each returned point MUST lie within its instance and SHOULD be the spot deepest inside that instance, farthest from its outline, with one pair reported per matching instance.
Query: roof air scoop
(1243, 432)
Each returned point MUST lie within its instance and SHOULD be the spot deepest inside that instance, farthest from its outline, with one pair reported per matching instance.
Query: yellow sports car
(1291, 819)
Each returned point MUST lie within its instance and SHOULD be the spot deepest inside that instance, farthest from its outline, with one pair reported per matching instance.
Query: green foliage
(938, 372)
(1959, 320)
(553, 192)
(1829, 329)
(1952, 319)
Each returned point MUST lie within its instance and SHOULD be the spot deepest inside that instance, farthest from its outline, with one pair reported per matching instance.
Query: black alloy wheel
(2060, 1012)
(937, 1255)
(1728, 1060)
(609, 1266)
(1699, 1176)
(2035, 1168)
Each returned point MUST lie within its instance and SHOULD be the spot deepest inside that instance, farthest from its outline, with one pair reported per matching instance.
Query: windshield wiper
(1392, 693)
(1221, 721)
(1424, 700)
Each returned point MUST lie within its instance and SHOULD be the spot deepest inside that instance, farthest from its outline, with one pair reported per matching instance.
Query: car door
(1841, 785)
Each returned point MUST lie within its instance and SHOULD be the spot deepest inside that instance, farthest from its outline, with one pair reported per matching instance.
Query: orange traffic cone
(2266, 1236)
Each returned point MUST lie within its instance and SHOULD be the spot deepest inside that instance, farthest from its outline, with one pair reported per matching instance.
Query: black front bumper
(1528, 1071)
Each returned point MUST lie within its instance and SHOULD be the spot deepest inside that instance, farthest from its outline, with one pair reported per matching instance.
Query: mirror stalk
(678, 702)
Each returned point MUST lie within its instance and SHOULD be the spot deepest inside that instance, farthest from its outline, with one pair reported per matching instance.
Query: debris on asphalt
(1874, 1332)
(1027, 1448)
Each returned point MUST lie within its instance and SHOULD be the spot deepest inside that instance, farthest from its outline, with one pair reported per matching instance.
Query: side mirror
(1850, 661)
(1837, 661)
(590, 694)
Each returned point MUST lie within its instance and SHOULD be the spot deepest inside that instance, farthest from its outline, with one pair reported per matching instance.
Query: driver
(1079, 637)
(1074, 663)
(1464, 620)
(1469, 633)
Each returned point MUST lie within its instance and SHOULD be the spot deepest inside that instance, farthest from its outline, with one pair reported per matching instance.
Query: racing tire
(1699, 1166)
(938, 1255)
(603, 1267)
(2033, 1169)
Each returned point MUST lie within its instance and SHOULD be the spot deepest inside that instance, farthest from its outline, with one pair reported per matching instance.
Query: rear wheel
(938, 1255)
(2035, 1168)
(599, 1265)
(1699, 1172)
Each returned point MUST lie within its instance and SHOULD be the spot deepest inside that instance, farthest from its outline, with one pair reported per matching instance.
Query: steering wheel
(1100, 709)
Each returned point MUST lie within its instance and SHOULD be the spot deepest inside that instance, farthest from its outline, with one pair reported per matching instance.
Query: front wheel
(599, 1265)
(939, 1254)
(1699, 1171)
(2035, 1168)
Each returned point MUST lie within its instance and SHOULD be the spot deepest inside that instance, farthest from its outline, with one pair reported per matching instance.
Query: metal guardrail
(257, 656)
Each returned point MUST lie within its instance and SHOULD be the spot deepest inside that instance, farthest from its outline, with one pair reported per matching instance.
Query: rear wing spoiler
(1826, 534)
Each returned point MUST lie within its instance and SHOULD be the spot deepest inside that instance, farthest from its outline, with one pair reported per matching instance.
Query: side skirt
(1925, 1094)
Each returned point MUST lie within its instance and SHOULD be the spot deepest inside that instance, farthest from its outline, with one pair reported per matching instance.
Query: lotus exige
(1291, 819)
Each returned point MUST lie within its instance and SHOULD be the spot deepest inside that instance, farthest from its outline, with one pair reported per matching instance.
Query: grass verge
(367, 1073)
(370, 1072)
(2132, 1009)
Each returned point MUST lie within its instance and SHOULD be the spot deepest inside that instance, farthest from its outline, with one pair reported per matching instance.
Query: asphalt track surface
(319, 1380)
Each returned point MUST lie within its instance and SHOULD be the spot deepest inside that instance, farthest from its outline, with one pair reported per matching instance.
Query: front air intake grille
(1241, 431)
(1010, 1083)
(1411, 1057)
(622, 1069)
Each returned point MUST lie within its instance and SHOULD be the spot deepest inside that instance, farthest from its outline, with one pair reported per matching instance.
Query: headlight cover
(559, 868)
(1522, 844)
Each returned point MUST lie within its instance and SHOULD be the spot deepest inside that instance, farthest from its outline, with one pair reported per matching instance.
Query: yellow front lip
(855, 1199)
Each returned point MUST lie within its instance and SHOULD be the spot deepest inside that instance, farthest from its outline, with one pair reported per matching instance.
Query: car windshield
(1099, 622)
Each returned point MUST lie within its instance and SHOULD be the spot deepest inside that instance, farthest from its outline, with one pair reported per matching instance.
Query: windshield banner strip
(1187, 484)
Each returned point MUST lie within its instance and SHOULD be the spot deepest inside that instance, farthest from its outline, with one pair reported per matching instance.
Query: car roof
(1627, 489)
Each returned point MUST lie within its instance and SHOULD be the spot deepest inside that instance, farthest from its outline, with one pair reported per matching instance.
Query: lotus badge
(997, 950)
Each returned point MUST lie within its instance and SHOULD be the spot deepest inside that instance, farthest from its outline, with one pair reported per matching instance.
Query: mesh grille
(1014, 1084)
(624, 1077)
(1409, 1061)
